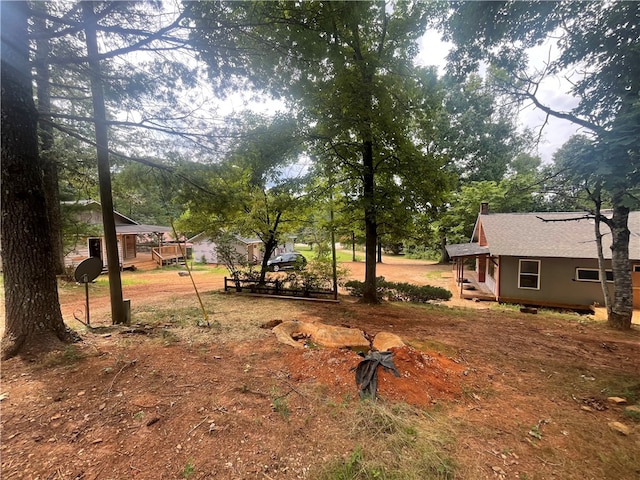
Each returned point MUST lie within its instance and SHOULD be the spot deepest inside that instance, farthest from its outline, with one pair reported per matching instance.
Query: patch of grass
(397, 442)
(354, 467)
(632, 414)
(194, 267)
(126, 280)
(434, 346)
(189, 469)
(173, 312)
(68, 357)
(436, 274)
(337, 408)
(279, 404)
(625, 387)
(169, 338)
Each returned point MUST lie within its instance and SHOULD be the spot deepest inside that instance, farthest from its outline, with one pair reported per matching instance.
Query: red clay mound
(424, 378)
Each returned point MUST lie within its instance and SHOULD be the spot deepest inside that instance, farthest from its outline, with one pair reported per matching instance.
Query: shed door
(635, 282)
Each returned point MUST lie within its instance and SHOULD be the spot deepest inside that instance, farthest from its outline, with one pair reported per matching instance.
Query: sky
(555, 132)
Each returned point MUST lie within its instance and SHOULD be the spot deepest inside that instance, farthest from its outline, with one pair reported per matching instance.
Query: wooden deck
(152, 260)
(471, 289)
(168, 255)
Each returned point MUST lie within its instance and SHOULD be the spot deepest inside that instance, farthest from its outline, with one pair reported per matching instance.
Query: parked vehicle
(292, 260)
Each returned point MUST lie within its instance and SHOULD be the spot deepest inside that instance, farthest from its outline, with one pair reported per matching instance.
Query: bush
(317, 275)
(400, 291)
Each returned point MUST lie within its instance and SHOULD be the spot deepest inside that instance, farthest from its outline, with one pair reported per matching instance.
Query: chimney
(484, 208)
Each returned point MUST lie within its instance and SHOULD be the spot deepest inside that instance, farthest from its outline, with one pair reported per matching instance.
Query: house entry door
(95, 247)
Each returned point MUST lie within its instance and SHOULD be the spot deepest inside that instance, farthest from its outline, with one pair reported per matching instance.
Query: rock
(620, 428)
(617, 400)
(323, 335)
(338, 337)
(271, 324)
(285, 330)
(499, 471)
(633, 409)
(384, 341)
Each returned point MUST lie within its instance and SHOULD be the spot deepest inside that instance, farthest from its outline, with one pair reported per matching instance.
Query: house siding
(557, 282)
(81, 250)
(78, 254)
(205, 251)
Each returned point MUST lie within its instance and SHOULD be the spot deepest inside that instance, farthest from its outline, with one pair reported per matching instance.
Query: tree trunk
(379, 251)
(353, 246)
(444, 255)
(269, 247)
(43, 79)
(370, 294)
(104, 168)
(621, 312)
(32, 308)
(601, 264)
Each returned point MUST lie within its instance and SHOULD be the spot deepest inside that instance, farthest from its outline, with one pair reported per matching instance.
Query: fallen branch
(126, 364)
(190, 431)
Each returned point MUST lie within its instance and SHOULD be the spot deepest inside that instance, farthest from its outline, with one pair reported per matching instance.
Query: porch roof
(137, 229)
(466, 250)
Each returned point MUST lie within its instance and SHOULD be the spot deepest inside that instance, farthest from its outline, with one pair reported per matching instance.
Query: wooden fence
(277, 288)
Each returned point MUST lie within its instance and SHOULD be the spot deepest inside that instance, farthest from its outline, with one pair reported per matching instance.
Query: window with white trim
(529, 274)
(592, 275)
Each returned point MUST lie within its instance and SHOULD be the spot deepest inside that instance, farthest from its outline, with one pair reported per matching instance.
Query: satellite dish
(88, 270)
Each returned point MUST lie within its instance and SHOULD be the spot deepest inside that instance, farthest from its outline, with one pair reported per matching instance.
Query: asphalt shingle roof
(551, 235)
(466, 250)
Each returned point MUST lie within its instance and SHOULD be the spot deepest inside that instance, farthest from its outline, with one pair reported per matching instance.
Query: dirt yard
(483, 392)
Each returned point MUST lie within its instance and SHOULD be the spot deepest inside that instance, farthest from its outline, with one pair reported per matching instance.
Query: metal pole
(85, 280)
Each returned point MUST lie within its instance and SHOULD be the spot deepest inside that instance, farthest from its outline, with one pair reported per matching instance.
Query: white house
(205, 250)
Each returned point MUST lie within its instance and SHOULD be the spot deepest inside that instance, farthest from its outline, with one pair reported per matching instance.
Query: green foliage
(279, 404)
(143, 193)
(189, 469)
(513, 194)
(318, 274)
(602, 35)
(253, 198)
(349, 71)
(480, 135)
(400, 291)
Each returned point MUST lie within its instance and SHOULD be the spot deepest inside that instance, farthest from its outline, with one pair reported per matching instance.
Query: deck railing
(167, 254)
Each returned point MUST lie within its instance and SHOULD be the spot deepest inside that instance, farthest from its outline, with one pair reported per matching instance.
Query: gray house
(523, 258)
